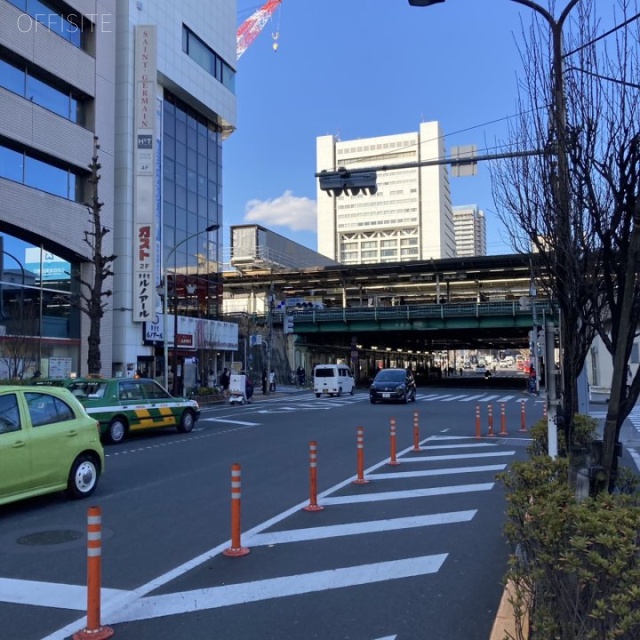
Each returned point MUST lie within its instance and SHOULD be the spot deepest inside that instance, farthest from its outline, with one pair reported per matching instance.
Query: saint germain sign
(144, 203)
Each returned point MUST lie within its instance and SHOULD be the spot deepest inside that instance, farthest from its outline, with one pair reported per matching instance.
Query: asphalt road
(414, 553)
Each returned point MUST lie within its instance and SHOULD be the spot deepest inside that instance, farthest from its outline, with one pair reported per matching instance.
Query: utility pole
(270, 304)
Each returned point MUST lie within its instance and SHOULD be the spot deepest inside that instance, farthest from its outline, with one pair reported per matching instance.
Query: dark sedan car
(393, 385)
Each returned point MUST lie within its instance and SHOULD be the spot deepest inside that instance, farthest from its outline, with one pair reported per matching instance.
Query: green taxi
(126, 405)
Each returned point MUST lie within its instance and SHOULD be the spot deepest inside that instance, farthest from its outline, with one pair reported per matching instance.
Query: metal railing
(415, 312)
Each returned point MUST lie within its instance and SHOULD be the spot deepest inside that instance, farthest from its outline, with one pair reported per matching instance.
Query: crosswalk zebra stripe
(488, 398)
(410, 493)
(359, 528)
(469, 398)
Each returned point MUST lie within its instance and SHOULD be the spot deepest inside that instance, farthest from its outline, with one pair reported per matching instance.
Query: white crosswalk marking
(461, 397)
(215, 597)
(358, 528)
(469, 398)
(422, 470)
(415, 493)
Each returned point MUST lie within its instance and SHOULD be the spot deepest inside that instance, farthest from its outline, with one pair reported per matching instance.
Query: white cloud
(298, 214)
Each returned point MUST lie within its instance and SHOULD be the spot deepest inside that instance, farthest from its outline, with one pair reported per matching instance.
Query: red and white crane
(249, 30)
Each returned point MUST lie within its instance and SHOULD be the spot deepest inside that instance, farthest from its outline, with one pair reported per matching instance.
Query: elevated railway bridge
(395, 313)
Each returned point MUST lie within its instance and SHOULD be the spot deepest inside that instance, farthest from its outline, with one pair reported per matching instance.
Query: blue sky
(362, 68)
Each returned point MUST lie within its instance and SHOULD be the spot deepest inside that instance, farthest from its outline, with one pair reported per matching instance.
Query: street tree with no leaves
(91, 297)
(583, 224)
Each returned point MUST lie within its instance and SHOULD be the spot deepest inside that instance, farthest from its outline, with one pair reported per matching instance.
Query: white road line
(459, 456)
(50, 594)
(358, 528)
(469, 398)
(488, 398)
(216, 597)
(412, 493)
(471, 445)
(436, 472)
(110, 609)
(505, 398)
(227, 421)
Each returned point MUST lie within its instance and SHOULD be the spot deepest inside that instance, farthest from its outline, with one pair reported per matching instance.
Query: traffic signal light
(349, 182)
(287, 323)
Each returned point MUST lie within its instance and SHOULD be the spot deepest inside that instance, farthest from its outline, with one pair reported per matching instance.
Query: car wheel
(117, 430)
(83, 477)
(188, 420)
(372, 401)
(318, 395)
(353, 390)
(339, 392)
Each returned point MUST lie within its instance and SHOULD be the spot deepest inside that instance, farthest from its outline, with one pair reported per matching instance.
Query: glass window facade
(208, 59)
(38, 319)
(191, 170)
(37, 12)
(21, 167)
(18, 79)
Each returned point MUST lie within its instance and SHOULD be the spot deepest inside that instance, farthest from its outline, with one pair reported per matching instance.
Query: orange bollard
(360, 444)
(94, 577)
(392, 458)
(490, 418)
(478, 423)
(416, 433)
(236, 549)
(503, 420)
(313, 479)
(523, 418)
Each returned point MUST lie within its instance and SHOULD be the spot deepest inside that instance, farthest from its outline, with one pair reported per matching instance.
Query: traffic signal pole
(353, 176)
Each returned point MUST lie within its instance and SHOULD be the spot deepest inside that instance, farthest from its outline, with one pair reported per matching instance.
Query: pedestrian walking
(272, 380)
(265, 378)
(225, 379)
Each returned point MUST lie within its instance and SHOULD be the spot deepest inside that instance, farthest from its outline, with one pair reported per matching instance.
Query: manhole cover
(58, 536)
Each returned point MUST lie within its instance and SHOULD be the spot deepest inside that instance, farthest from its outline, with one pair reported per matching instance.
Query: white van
(332, 380)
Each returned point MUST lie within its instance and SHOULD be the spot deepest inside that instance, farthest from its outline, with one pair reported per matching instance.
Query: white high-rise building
(410, 216)
(471, 231)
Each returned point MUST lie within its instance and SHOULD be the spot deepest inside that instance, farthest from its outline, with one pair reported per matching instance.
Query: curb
(504, 625)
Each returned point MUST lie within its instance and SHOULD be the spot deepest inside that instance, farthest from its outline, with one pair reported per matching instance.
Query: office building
(408, 218)
(57, 91)
(175, 104)
(152, 83)
(470, 229)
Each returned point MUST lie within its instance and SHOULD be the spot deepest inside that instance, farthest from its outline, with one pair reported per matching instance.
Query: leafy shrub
(584, 432)
(576, 563)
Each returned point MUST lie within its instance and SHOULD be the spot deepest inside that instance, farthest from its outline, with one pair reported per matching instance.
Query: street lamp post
(165, 324)
(561, 185)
